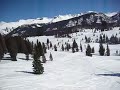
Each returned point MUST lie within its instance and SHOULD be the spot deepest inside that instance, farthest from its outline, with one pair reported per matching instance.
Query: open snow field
(67, 71)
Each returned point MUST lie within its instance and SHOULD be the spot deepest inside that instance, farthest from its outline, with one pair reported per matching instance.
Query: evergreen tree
(101, 49)
(107, 39)
(108, 51)
(50, 44)
(101, 39)
(88, 50)
(3, 44)
(1, 52)
(44, 47)
(81, 47)
(37, 65)
(29, 48)
(67, 46)
(12, 47)
(48, 41)
(74, 46)
(62, 47)
(55, 48)
(50, 57)
(93, 51)
(86, 39)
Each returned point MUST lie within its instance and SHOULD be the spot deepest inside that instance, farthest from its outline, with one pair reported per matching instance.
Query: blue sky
(13, 10)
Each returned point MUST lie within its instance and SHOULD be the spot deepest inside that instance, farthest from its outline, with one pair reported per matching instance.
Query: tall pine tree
(101, 49)
(37, 65)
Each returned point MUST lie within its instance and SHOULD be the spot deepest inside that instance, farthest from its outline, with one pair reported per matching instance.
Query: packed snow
(67, 71)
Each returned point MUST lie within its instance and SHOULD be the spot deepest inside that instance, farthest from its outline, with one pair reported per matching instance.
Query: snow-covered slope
(111, 14)
(67, 71)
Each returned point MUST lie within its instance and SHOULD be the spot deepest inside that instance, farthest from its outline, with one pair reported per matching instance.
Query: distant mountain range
(61, 23)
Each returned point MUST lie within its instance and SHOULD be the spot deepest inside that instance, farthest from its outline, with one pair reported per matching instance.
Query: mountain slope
(8, 27)
(87, 20)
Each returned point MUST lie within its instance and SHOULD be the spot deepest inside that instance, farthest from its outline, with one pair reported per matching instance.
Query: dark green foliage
(48, 41)
(55, 48)
(50, 57)
(3, 44)
(101, 49)
(108, 51)
(1, 52)
(74, 47)
(50, 45)
(93, 51)
(88, 50)
(68, 46)
(81, 47)
(62, 47)
(12, 47)
(44, 47)
(37, 65)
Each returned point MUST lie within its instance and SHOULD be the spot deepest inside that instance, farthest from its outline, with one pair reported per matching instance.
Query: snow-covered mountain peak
(111, 14)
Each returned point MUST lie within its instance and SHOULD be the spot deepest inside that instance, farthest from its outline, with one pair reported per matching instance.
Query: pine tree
(12, 47)
(37, 66)
(108, 51)
(74, 46)
(88, 50)
(44, 47)
(29, 48)
(50, 57)
(93, 51)
(101, 49)
(67, 46)
(50, 44)
(55, 48)
(81, 47)
(62, 47)
(1, 52)
(48, 41)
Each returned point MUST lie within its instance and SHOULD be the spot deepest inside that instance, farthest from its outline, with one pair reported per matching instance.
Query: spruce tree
(12, 47)
(62, 47)
(50, 44)
(101, 49)
(108, 51)
(93, 51)
(55, 48)
(81, 47)
(74, 46)
(88, 50)
(50, 57)
(37, 65)
(44, 47)
(1, 52)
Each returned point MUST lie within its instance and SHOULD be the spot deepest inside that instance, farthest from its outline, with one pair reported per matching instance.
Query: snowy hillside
(67, 71)
(7, 27)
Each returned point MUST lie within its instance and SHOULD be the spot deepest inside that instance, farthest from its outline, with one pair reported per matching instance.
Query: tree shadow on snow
(26, 72)
(25, 59)
(6, 58)
(113, 74)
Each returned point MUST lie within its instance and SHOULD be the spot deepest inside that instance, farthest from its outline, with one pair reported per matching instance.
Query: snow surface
(110, 14)
(67, 71)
